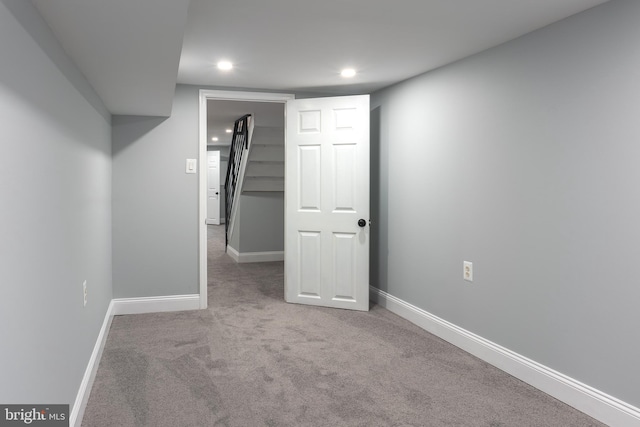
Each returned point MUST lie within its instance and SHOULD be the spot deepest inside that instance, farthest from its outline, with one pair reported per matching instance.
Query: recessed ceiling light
(225, 65)
(228, 130)
(214, 139)
(348, 72)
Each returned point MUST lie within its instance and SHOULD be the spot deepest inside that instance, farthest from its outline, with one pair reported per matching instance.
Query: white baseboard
(75, 418)
(587, 399)
(155, 304)
(242, 257)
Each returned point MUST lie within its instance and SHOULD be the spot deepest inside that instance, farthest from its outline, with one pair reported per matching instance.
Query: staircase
(256, 164)
(265, 167)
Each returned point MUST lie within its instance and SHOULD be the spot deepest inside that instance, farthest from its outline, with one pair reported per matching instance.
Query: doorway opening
(218, 110)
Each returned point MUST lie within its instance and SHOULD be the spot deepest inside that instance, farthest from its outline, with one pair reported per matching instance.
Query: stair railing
(239, 144)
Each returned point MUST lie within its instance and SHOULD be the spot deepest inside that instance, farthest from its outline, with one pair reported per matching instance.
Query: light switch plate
(191, 166)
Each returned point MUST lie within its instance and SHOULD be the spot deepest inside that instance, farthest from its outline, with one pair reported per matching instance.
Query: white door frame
(213, 220)
(205, 95)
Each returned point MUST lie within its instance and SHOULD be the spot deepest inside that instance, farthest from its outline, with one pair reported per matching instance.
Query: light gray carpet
(253, 360)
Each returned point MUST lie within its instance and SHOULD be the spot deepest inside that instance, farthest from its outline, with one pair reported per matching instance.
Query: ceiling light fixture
(348, 72)
(214, 139)
(228, 130)
(225, 65)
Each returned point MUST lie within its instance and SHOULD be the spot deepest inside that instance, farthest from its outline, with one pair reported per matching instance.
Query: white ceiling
(222, 115)
(293, 45)
(134, 52)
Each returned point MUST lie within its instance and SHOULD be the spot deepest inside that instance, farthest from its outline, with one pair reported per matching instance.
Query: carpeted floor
(253, 360)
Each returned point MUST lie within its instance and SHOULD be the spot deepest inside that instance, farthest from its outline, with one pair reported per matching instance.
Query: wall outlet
(84, 292)
(467, 271)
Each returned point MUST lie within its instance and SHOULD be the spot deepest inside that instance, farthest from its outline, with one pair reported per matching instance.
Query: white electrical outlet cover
(467, 271)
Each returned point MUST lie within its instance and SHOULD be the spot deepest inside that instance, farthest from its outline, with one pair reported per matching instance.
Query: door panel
(310, 268)
(327, 192)
(344, 177)
(310, 177)
(344, 249)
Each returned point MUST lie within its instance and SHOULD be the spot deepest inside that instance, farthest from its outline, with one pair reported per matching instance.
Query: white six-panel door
(213, 187)
(327, 193)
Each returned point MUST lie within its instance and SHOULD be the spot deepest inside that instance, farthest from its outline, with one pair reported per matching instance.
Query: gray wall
(55, 220)
(261, 222)
(524, 160)
(155, 203)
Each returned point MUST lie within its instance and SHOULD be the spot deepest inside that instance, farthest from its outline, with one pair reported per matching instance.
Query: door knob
(362, 222)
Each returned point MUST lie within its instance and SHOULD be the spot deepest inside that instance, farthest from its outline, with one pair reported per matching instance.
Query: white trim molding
(587, 399)
(243, 257)
(204, 95)
(233, 95)
(155, 304)
(213, 222)
(80, 404)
